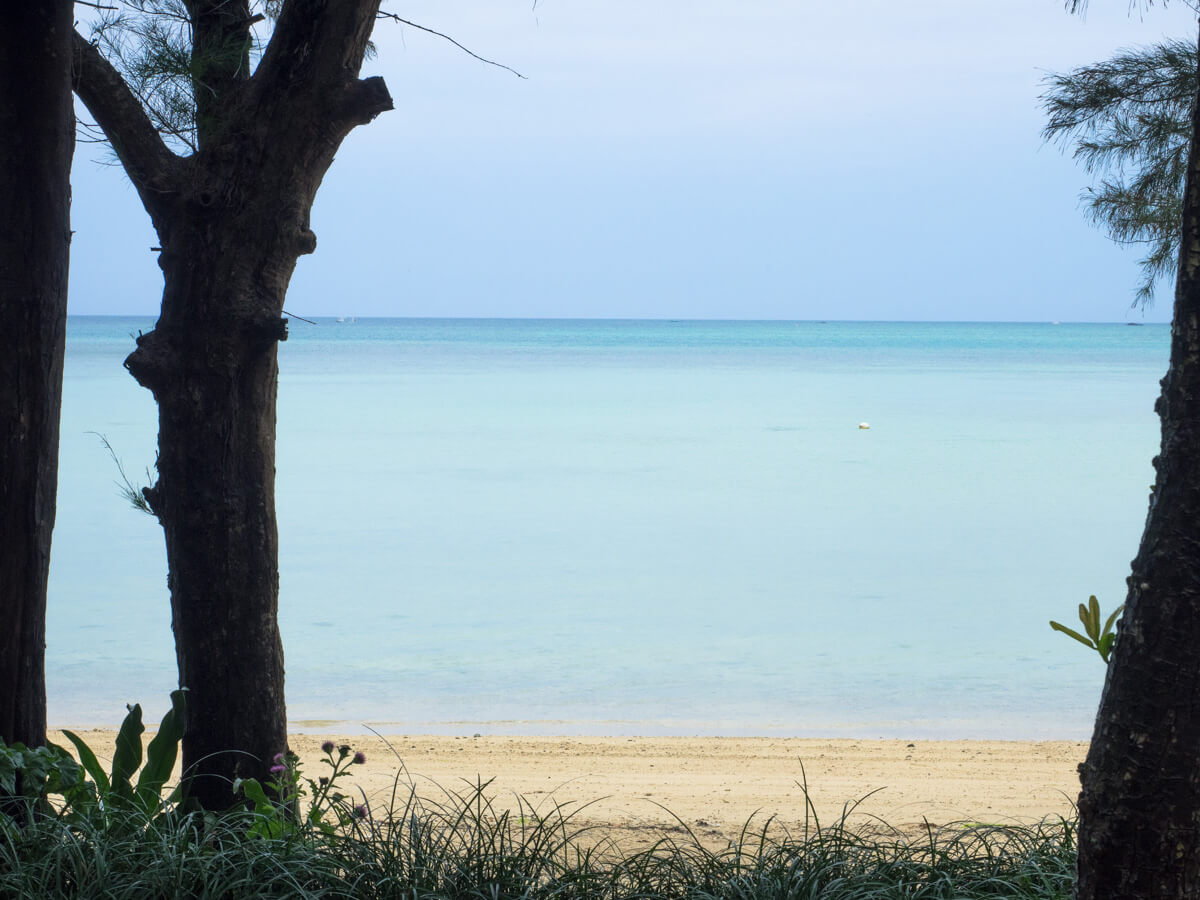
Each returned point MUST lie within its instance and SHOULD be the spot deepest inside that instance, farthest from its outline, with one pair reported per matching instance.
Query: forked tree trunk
(37, 137)
(1139, 812)
(232, 219)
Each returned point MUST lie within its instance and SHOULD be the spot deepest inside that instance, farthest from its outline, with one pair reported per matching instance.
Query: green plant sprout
(1099, 639)
(51, 770)
(118, 789)
(275, 817)
(126, 488)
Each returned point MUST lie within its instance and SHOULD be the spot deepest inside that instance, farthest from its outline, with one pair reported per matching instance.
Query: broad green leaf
(90, 764)
(255, 794)
(67, 779)
(162, 751)
(128, 755)
(253, 790)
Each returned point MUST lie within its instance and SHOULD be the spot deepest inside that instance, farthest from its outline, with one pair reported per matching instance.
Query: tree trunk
(232, 220)
(1139, 811)
(37, 137)
(212, 368)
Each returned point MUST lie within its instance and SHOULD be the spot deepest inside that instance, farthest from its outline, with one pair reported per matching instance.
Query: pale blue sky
(795, 160)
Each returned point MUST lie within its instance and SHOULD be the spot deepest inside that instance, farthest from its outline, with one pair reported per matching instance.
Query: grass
(463, 846)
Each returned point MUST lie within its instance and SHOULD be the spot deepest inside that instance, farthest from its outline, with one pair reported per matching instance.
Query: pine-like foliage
(1129, 120)
(149, 42)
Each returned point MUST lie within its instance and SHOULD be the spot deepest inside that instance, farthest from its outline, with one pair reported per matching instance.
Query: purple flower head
(360, 811)
(327, 747)
(359, 758)
(344, 750)
(278, 770)
(278, 759)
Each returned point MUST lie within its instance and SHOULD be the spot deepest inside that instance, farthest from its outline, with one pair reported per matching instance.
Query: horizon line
(350, 319)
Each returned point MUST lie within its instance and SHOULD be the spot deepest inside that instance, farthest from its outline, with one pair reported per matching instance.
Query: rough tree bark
(37, 137)
(1139, 811)
(232, 220)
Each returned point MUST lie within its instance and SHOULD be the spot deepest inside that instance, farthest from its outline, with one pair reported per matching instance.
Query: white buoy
(864, 425)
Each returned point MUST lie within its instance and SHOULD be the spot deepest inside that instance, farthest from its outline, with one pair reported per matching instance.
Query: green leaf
(1108, 625)
(8, 769)
(90, 764)
(1105, 646)
(1094, 618)
(162, 751)
(254, 792)
(64, 762)
(79, 795)
(1069, 632)
(128, 755)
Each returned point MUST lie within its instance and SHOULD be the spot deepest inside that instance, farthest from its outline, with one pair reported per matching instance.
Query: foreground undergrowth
(71, 830)
(464, 847)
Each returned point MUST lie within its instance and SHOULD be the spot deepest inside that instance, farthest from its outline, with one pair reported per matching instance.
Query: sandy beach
(715, 785)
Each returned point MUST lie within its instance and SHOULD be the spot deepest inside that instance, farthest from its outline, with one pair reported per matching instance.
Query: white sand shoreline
(631, 782)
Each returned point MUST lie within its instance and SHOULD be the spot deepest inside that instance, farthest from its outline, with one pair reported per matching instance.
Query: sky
(765, 159)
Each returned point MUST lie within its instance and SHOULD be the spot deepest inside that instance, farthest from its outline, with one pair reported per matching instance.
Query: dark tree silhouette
(1139, 810)
(37, 137)
(232, 219)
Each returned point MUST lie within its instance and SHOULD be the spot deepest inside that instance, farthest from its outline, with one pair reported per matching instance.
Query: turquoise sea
(647, 527)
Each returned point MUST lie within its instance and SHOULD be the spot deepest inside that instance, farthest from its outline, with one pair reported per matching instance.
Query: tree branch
(316, 37)
(221, 42)
(396, 18)
(312, 63)
(150, 164)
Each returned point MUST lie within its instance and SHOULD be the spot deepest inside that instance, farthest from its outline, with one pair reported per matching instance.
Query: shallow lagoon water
(635, 527)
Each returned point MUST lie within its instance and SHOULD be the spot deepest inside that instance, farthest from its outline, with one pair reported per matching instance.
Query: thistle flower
(360, 811)
(278, 770)
(359, 758)
(327, 747)
(344, 750)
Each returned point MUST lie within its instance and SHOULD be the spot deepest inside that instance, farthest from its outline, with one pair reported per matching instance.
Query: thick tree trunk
(232, 219)
(1139, 811)
(212, 367)
(37, 137)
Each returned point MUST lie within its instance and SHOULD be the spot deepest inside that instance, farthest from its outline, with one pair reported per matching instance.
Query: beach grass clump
(64, 836)
(463, 845)
(131, 855)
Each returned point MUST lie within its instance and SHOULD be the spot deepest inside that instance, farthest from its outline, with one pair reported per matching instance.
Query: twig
(301, 318)
(396, 18)
(125, 487)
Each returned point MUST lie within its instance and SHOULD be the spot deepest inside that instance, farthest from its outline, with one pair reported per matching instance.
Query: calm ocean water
(632, 527)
